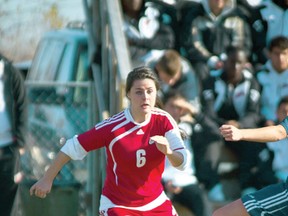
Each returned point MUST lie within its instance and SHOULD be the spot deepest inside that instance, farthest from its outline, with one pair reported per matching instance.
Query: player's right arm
(264, 134)
(44, 185)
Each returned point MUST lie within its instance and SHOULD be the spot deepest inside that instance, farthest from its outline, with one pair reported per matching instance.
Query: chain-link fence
(56, 112)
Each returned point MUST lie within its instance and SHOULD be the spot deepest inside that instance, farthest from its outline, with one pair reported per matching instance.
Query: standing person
(13, 116)
(136, 146)
(271, 200)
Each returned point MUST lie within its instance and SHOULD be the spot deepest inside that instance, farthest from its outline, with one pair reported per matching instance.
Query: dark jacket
(207, 35)
(139, 43)
(242, 105)
(16, 102)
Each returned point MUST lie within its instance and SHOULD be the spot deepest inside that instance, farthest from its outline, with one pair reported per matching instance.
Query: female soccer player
(271, 200)
(136, 141)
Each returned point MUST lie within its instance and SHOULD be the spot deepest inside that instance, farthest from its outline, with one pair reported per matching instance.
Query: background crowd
(227, 59)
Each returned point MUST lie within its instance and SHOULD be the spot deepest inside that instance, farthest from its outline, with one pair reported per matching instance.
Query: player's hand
(41, 188)
(162, 144)
(230, 133)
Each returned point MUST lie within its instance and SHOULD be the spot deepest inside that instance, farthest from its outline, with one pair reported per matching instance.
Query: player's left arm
(175, 157)
(173, 147)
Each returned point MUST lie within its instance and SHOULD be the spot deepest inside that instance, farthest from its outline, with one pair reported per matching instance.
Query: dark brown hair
(140, 73)
(280, 41)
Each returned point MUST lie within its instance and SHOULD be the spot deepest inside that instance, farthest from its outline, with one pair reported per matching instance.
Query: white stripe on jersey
(158, 111)
(106, 203)
(268, 202)
(115, 140)
(111, 120)
(120, 125)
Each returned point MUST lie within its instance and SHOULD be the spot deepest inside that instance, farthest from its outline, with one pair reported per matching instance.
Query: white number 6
(140, 158)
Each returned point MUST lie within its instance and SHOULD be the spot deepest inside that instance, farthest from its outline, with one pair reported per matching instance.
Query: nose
(145, 95)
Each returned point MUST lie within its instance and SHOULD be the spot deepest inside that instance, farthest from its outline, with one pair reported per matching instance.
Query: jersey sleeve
(284, 123)
(177, 144)
(73, 149)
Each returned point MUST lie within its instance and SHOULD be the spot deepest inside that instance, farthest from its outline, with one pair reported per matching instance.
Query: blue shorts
(271, 200)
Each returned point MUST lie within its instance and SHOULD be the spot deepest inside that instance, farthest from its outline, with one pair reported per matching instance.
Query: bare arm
(43, 186)
(264, 134)
(175, 158)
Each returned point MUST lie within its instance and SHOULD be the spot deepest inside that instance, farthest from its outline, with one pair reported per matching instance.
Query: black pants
(192, 197)
(8, 166)
(254, 170)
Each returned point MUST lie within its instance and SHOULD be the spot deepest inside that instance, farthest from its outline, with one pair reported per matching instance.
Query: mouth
(145, 106)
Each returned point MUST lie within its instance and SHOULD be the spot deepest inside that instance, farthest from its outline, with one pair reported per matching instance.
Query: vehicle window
(47, 60)
(80, 94)
(32, 75)
(66, 67)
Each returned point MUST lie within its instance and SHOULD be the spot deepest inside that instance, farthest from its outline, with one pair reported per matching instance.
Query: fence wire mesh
(57, 112)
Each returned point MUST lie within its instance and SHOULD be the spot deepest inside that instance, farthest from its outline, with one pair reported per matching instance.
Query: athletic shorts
(161, 206)
(270, 200)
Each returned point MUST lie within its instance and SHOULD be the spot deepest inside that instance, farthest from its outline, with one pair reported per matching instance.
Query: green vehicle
(60, 104)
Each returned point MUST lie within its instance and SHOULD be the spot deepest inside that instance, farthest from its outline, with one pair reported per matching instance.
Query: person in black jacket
(210, 28)
(147, 29)
(232, 96)
(13, 118)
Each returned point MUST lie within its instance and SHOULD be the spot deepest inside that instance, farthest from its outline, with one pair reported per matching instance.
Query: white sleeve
(73, 149)
(176, 144)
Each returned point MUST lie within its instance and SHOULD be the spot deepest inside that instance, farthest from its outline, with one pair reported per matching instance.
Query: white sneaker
(216, 194)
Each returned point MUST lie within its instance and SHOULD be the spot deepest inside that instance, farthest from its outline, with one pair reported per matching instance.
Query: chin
(146, 110)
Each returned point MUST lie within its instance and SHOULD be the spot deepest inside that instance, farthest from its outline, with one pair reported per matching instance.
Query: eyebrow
(139, 88)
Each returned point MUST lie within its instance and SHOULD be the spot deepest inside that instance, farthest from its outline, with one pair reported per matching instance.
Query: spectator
(275, 13)
(175, 72)
(207, 144)
(216, 25)
(145, 31)
(233, 98)
(183, 187)
(273, 78)
(280, 148)
(250, 10)
(13, 117)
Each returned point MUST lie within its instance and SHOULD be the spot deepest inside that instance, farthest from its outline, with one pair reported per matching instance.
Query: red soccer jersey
(134, 166)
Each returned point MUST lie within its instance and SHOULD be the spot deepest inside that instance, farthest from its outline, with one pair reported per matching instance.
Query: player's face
(142, 97)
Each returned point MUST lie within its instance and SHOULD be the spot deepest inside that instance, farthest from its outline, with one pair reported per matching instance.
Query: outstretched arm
(44, 185)
(264, 134)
